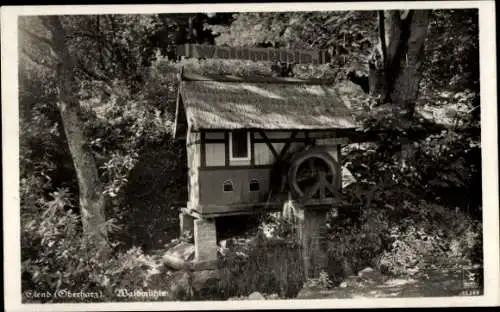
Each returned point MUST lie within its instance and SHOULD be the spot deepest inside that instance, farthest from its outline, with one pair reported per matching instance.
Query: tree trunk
(394, 68)
(92, 202)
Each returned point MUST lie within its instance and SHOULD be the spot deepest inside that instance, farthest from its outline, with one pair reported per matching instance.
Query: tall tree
(53, 39)
(395, 65)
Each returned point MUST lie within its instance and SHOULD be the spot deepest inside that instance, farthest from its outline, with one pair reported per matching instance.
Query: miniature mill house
(254, 143)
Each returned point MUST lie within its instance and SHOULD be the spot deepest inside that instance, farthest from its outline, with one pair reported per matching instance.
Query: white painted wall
(215, 154)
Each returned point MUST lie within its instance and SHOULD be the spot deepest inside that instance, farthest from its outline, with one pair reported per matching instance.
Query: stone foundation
(312, 232)
(205, 240)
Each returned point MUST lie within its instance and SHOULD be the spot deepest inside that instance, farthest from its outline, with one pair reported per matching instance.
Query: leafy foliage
(56, 256)
(348, 34)
(452, 57)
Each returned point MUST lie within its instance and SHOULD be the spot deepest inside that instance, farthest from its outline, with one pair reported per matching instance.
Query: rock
(343, 285)
(370, 275)
(256, 296)
(183, 251)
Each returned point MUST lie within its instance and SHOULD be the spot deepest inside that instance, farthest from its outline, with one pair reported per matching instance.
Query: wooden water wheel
(313, 175)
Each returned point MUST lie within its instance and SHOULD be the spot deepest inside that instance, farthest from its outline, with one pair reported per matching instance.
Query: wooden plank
(254, 54)
(330, 132)
(339, 168)
(226, 140)
(279, 140)
(236, 167)
(252, 150)
(239, 210)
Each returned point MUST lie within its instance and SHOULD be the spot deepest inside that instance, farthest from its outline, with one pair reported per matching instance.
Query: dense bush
(141, 166)
(431, 237)
(57, 256)
(401, 235)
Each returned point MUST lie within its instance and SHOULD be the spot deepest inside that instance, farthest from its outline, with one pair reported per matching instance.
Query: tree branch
(36, 37)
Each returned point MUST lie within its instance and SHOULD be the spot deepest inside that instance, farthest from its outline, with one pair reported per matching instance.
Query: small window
(228, 186)
(239, 145)
(254, 185)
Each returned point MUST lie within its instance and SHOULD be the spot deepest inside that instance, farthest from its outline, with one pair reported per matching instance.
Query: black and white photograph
(237, 156)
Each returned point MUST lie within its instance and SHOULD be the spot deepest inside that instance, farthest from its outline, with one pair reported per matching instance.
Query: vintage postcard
(262, 156)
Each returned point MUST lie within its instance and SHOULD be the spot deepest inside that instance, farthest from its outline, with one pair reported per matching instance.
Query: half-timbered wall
(210, 167)
(216, 147)
(260, 154)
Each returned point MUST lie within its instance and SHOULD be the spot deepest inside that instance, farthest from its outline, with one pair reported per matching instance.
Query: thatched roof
(270, 104)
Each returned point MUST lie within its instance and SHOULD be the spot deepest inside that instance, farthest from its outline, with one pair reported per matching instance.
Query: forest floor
(438, 283)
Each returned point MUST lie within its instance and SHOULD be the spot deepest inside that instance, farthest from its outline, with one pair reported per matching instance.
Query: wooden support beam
(252, 149)
(338, 182)
(202, 150)
(226, 146)
(287, 145)
(268, 143)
